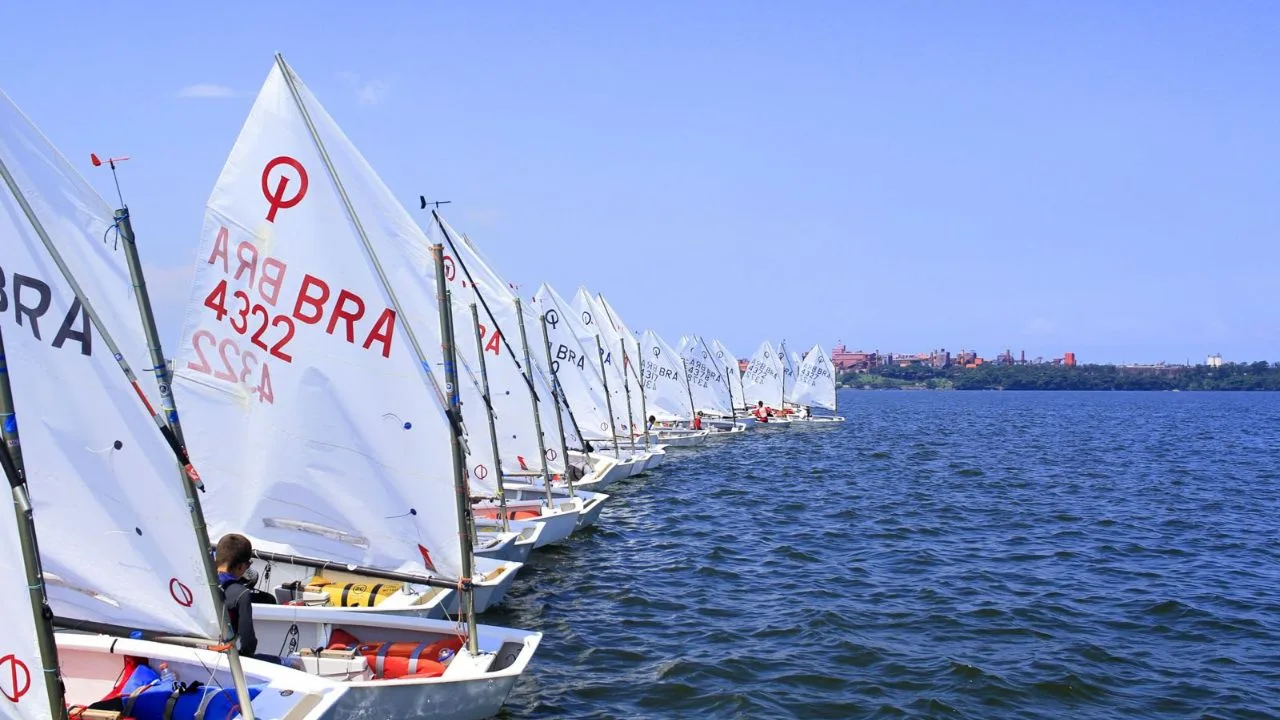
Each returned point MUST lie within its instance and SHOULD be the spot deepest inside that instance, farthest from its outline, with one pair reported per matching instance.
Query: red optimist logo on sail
(254, 295)
(276, 199)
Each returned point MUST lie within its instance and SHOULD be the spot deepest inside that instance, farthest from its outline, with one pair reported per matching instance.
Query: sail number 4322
(245, 316)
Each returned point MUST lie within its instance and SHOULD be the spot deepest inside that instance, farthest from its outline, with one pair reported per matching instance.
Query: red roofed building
(843, 359)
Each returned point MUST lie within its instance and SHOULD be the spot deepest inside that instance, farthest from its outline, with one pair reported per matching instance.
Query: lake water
(974, 555)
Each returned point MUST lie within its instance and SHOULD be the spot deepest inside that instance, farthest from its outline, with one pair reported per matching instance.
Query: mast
(555, 395)
(537, 420)
(626, 391)
(457, 257)
(160, 366)
(684, 365)
(608, 401)
(164, 384)
(493, 432)
(466, 525)
(733, 411)
(447, 405)
(558, 391)
(644, 410)
(626, 383)
(15, 472)
(180, 452)
(782, 350)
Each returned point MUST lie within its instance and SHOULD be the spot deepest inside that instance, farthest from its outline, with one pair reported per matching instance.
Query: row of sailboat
(331, 350)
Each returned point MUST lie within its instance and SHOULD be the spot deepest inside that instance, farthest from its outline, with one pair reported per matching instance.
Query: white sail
(666, 390)
(816, 380)
(305, 405)
(619, 327)
(790, 365)
(542, 376)
(762, 380)
(730, 363)
(116, 539)
(26, 698)
(405, 254)
(615, 362)
(706, 379)
(545, 379)
(576, 365)
(788, 369)
(632, 363)
(473, 281)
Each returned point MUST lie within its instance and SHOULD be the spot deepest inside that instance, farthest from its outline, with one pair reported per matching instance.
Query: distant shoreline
(1257, 376)
(919, 388)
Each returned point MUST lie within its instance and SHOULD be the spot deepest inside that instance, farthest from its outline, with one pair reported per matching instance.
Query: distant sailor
(697, 421)
(761, 412)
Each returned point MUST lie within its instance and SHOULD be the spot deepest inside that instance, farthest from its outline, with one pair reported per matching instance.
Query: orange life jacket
(390, 660)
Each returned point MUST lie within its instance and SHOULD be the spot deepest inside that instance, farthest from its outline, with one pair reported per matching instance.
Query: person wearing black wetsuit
(234, 557)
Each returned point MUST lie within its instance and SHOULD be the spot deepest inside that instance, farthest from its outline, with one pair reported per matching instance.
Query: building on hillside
(1159, 368)
(940, 358)
(845, 360)
(905, 360)
(1069, 359)
(1214, 361)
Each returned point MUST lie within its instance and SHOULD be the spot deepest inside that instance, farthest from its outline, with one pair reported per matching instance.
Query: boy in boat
(233, 557)
(697, 421)
(762, 413)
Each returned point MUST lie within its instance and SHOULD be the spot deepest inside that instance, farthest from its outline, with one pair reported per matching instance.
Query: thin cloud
(368, 91)
(1040, 326)
(207, 90)
(484, 216)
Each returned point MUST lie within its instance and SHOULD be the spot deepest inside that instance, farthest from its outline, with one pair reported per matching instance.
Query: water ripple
(940, 555)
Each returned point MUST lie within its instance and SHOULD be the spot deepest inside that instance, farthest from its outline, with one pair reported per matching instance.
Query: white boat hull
(499, 545)
(526, 539)
(589, 503)
(657, 456)
(493, 580)
(605, 471)
(818, 420)
(558, 522)
(681, 438)
(614, 468)
(329, 688)
(478, 688)
(727, 423)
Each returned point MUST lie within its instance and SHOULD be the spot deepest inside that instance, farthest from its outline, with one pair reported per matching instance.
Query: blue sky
(1098, 177)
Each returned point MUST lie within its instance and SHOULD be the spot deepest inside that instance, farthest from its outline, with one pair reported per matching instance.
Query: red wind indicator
(97, 162)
